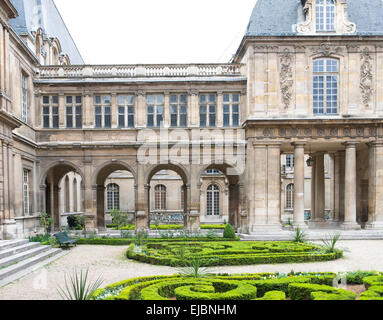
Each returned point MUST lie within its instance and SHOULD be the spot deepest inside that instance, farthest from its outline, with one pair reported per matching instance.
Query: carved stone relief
(366, 76)
(286, 77)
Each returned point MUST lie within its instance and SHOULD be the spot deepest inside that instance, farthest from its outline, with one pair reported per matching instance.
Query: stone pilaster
(142, 200)
(350, 188)
(319, 189)
(267, 187)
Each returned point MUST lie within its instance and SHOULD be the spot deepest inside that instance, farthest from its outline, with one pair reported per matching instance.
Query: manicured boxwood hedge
(124, 242)
(214, 253)
(261, 286)
(168, 227)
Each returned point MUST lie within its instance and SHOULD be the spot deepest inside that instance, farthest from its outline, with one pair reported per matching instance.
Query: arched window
(160, 197)
(113, 197)
(325, 86)
(290, 196)
(212, 200)
(325, 15)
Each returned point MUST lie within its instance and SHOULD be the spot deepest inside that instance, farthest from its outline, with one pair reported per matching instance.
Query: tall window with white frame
(178, 110)
(213, 200)
(325, 86)
(160, 197)
(208, 110)
(231, 109)
(73, 106)
(325, 15)
(24, 98)
(155, 110)
(26, 194)
(125, 111)
(113, 197)
(290, 196)
(103, 111)
(50, 112)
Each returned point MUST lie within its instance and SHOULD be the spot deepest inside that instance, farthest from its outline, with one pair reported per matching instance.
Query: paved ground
(110, 262)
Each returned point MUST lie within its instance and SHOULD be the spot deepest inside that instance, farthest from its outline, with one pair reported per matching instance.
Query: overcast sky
(156, 31)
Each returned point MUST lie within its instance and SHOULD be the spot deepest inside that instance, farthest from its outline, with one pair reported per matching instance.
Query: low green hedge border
(214, 253)
(168, 227)
(128, 241)
(261, 286)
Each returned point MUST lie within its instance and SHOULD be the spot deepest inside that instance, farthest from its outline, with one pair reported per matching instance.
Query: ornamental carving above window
(325, 17)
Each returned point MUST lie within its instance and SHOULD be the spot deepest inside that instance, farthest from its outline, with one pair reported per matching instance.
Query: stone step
(15, 250)
(23, 255)
(4, 245)
(32, 268)
(22, 265)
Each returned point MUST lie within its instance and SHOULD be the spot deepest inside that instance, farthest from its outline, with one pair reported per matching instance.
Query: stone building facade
(305, 81)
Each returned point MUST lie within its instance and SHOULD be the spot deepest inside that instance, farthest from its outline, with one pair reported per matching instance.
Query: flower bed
(214, 253)
(261, 286)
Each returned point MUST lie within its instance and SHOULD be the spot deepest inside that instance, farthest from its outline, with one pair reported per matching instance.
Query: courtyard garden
(261, 286)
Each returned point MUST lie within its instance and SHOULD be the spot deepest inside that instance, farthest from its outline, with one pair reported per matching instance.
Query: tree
(46, 222)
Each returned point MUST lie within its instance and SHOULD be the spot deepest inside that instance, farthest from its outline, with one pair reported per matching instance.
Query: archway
(115, 190)
(220, 195)
(167, 194)
(58, 191)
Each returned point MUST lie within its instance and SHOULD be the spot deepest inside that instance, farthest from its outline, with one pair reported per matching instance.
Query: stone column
(299, 186)
(142, 200)
(194, 205)
(375, 187)
(71, 193)
(313, 186)
(219, 109)
(350, 188)
(339, 176)
(319, 189)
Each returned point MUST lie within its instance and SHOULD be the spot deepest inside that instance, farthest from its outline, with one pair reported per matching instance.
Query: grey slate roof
(279, 17)
(34, 14)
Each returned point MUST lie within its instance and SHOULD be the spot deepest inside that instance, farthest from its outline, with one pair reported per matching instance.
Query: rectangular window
(125, 111)
(50, 112)
(26, 203)
(73, 112)
(231, 103)
(155, 110)
(178, 110)
(103, 111)
(208, 106)
(24, 89)
(325, 15)
(325, 87)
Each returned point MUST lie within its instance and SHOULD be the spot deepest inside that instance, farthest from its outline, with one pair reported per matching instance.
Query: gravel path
(110, 262)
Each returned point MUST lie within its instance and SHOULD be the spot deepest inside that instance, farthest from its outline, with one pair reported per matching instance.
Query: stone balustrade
(141, 71)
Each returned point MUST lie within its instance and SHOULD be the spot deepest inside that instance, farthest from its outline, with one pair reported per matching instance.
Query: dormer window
(325, 15)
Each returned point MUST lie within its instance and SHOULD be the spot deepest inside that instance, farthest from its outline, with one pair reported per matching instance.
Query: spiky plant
(330, 242)
(299, 236)
(193, 268)
(78, 287)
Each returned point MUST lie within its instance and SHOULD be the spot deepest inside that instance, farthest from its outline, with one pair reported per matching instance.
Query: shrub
(308, 291)
(273, 295)
(46, 221)
(229, 232)
(119, 218)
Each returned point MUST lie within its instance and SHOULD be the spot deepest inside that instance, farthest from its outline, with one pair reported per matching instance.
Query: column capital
(350, 144)
(299, 144)
(377, 143)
